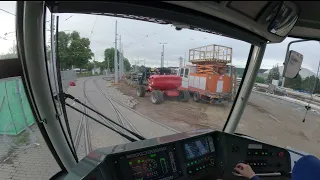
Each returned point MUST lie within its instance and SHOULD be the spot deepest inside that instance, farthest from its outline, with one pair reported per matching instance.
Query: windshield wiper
(96, 120)
(131, 132)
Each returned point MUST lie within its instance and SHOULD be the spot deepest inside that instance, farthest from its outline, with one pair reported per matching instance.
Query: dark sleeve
(255, 178)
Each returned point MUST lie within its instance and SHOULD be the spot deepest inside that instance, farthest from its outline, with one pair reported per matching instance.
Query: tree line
(74, 51)
(308, 84)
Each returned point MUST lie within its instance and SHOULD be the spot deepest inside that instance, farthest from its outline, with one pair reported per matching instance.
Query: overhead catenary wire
(7, 12)
(146, 36)
(93, 26)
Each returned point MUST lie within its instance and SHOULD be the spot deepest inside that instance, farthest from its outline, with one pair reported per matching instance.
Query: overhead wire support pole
(162, 54)
(120, 58)
(122, 64)
(116, 79)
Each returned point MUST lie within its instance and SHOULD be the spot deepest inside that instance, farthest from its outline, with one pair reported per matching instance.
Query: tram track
(83, 126)
(116, 106)
(122, 117)
(102, 118)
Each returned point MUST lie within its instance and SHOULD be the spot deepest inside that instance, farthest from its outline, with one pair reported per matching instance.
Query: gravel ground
(183, 116)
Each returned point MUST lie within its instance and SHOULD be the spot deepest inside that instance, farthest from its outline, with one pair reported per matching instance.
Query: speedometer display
(153, 164)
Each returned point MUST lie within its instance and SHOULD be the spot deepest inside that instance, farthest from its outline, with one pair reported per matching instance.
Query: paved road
(280, 122)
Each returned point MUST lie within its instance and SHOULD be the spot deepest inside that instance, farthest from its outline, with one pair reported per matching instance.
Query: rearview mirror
(285, 19)
(292, 64)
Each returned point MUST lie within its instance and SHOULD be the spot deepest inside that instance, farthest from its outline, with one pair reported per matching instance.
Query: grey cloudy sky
(141, 40)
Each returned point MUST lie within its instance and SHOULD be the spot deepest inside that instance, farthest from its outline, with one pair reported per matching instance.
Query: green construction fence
(15, 111)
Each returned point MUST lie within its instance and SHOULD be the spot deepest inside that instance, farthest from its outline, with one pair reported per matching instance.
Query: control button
(280, 154)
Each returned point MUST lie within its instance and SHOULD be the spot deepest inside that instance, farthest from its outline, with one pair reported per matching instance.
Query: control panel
(197, 154)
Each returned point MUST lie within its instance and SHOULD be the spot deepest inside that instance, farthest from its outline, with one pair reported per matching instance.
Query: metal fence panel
(15, 112)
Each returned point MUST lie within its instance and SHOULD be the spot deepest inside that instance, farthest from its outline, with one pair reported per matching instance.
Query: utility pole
(115, 58)
(185, 58)
(122, 64)
(315, 83)
(162, 54)
(120, 59)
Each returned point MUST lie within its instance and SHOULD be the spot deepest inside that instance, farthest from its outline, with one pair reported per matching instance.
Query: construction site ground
(182, 116)
(269, 119)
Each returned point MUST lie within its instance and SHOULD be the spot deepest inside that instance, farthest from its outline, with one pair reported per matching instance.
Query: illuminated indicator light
(197, 169)
(130, 163)
(153, 155)
(138, 161)
(188, 164)
(262, 153)
(142, 161)
(266, 153)
(190, 172)
(280, 154)
(191, 163)
(256, 153)
(203, 166)
(200, 168)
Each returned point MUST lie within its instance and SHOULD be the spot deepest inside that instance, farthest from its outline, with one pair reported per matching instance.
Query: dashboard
(199, 154)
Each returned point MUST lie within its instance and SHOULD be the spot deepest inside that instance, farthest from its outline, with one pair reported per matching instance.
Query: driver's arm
(246, 171)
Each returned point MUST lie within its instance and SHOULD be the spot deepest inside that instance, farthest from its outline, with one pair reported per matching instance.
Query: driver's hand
(245, 170)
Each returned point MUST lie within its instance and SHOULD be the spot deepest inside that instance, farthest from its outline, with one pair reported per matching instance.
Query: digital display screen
(153, 166)
(255, 146)
(198, 148)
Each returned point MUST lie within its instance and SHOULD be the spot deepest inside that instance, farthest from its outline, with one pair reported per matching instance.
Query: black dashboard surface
(199, 154)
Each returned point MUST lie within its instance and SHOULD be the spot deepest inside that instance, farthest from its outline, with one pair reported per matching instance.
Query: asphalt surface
(279, 122)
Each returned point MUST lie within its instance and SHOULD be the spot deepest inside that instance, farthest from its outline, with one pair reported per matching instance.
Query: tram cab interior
(199, 154)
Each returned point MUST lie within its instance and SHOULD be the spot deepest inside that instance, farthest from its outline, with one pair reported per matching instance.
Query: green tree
(294, 83)
(260, 80)
(73, 50)
(109, 57)
(126, 64)
(311, 83)
(273, 74)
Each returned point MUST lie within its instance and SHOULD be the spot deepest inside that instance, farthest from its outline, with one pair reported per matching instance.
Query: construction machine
(211, 77)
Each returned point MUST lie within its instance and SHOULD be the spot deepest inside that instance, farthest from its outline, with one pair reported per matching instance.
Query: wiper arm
(131, 132)
(96, 120)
